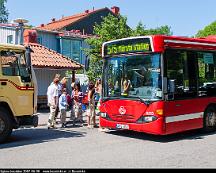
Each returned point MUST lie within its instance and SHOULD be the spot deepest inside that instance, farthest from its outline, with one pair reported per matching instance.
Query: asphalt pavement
(80, 147)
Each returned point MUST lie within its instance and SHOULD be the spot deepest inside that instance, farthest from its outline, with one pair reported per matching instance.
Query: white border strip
(184, 117)
(189, 42)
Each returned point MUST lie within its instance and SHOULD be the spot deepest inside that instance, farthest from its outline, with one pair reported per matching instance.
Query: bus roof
(208, 39)
(12, 47)
(159, 42)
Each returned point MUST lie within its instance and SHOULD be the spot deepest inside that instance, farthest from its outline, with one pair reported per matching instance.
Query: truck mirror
(28, 56)
(87, 62)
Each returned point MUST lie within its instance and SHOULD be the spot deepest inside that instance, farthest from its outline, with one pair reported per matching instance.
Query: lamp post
(21, 23)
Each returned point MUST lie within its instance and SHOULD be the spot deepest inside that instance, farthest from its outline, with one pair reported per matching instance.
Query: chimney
(115, 10)
(53, 19)
(87, 11)
(30, 36)
(42, 25)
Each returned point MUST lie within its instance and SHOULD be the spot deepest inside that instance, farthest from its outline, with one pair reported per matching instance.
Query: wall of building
(7, 31)
(44, 79)
(48, 39)
(87, 24)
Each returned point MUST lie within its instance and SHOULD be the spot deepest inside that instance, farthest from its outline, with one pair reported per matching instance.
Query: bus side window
(207, 74)
(182, 69)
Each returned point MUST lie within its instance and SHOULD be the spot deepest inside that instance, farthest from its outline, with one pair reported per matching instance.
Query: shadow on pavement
(189, 135)
(31, 136)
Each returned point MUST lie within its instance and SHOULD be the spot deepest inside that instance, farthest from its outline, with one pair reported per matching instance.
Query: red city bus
(159, 84)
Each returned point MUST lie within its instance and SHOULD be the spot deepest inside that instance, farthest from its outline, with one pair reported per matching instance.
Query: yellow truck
(18, 89)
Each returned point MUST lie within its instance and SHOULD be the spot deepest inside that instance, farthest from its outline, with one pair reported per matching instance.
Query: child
(63, 107)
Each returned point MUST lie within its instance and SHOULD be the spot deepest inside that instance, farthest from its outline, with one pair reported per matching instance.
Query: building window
(72, 49)
(10, 39)
(76, 50)
(39, 40)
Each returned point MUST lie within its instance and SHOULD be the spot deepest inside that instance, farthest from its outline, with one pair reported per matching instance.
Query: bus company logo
(122, 110)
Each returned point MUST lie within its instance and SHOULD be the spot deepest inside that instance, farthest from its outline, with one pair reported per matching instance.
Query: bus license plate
(122, 126)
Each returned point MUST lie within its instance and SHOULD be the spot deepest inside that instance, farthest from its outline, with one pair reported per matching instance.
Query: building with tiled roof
(67, 35)
(43, 57)
(47, 63)
(84, 21)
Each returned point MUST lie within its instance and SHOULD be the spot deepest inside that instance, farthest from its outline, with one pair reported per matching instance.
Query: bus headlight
(103, 115)
(148, 119)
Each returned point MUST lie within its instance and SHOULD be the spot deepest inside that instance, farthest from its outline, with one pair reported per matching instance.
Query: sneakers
(49, 127)
(90, 126)
(103, 129)
(63, 125)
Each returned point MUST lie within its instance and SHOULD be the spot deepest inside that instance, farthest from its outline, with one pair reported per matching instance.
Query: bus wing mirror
(165, 85)
(171, 86)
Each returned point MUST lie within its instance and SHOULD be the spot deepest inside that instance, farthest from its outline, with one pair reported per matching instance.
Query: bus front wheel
(210, 119)
(5, 125)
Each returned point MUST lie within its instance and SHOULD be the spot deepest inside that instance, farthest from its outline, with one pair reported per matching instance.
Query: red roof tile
(66, 21)
(44, 57)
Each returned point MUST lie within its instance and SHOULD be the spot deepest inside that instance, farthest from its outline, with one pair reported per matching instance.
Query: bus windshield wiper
(110, 98)
(146, 102)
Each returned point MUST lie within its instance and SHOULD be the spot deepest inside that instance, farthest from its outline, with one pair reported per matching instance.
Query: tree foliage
(112, 28)
(208, 30)
(3, 12)
(142, 30)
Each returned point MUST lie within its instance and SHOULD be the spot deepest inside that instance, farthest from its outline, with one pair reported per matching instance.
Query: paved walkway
(44, 115)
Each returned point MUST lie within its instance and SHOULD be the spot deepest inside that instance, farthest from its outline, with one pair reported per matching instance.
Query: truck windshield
(136, 76)
(14, 64)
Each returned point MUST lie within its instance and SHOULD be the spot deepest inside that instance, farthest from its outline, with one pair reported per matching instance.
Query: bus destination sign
(127, 46)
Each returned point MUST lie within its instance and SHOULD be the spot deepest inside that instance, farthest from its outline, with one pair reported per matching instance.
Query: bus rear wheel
(5, 125)
(210, 119)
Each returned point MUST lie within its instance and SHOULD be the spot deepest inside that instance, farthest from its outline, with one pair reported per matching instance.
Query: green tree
(111, 28)
(3, 12)
(142, 30)
(208, 30)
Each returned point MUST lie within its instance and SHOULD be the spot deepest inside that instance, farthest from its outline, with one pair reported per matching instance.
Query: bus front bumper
(156, 127)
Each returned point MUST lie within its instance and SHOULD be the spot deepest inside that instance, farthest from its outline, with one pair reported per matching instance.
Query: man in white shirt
(52, 96)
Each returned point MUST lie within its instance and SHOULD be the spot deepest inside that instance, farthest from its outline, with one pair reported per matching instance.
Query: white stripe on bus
(189, 42)
(184, 117)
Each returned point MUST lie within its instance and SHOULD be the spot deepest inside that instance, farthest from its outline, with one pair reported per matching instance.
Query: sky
(185, 17)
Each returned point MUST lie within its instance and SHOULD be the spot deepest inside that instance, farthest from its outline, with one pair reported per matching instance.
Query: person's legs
(63, 117)
(51, 120)
(92, 116)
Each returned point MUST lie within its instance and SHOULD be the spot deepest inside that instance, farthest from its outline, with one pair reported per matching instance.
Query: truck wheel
(5, 125)
(210, 119)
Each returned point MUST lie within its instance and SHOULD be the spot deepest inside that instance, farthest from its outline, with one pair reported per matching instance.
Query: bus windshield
(135, 76)
(14, 64)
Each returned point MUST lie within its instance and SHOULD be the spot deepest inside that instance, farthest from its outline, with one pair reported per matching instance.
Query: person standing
(91, 108)
(60, 86)
(77, 96)
(98, 93)
(52, 96)
(63, 104)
